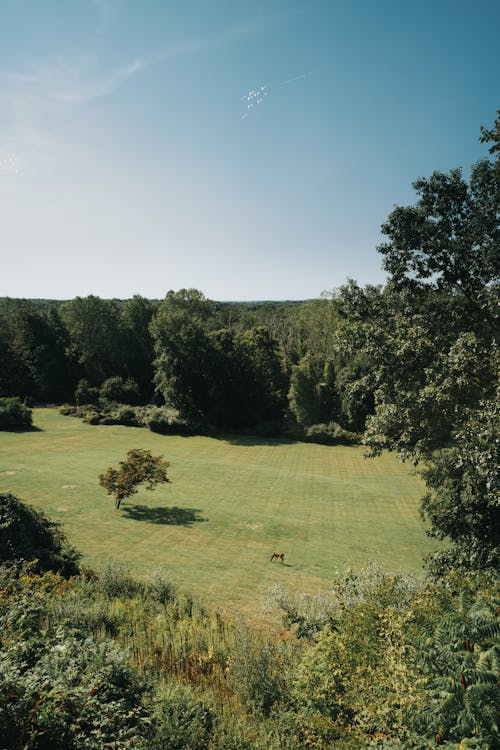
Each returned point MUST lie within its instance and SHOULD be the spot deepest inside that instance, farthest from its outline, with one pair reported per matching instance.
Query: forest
(385, 659)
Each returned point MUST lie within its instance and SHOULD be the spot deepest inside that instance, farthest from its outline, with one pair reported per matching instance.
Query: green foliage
(355, 678)
(33, 352)
(182, 346)
(385, 670)
(459, 651)
(26, 534)
(118, 389)
(162, 419)
(451, 236)
(329, 434)
(321, 680)
(313, 394)
(120, 414)
(95, 336)
(183, 721)
(85, 393)
(464, 487)
(432, 365)
(139, 467)
(14, 414)
(135, 317)
(165, 420)
(266, 385)
(303, 397)
(75, 695)
(68, 410)
(492, 136)
(215, 378)
(191, 301)
(256, 671)
(420, 412)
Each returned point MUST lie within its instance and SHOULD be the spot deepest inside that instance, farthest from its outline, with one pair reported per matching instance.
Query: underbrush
(330, 434)
(381, 661)
(162, 419)
(167, 421)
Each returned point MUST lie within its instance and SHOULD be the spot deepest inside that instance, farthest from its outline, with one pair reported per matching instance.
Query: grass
(230, 505)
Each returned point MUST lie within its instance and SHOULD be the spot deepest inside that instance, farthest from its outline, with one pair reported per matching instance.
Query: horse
(278, 556)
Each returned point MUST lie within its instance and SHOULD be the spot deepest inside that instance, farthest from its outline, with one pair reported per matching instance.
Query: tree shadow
(17, 428)
(254, 440)
(171, 516)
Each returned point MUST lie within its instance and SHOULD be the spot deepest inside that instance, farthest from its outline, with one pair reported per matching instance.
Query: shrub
(68, 410)
(13, 413)
(125, 415)
(256, 672)
(26, 534)
(85, 393)
(119, 390)
(92, 417)
(160, 589)
(165, 420)
(120, 414)
(78, 695)
(329, 434)
(183, 721)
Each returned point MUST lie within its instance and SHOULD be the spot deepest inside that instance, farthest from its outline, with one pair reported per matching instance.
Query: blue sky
(131, 162)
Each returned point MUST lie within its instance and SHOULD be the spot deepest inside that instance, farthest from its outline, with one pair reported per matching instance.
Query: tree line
(223, 365)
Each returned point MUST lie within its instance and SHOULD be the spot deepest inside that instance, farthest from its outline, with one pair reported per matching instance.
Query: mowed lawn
(231, 504)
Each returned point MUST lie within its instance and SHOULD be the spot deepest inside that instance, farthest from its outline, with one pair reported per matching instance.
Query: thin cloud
(66, 82)
(87, 91)
(35, 96)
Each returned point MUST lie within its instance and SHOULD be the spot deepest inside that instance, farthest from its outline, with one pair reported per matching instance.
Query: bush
(78, 695)
(13, 413)
(68, 410)
(114, 581)
(125, 415)
(119, 390)
(183, 721)
(26, 534)
(118, 414)
(257, 672)
(85, 394)
(165, 420)
(329, 434)
(92, 417)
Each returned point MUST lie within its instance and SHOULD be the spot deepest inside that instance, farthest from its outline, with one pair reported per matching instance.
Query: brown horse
(278, 556)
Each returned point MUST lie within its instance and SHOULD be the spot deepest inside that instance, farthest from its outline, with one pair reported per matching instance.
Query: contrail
(296, 78)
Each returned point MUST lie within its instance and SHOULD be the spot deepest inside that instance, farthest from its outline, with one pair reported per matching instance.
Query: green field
(232, 502)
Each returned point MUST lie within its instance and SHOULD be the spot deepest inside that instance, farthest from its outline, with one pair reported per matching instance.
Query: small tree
(139, 467)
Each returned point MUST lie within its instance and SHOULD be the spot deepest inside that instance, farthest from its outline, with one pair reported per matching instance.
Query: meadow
(231, 504)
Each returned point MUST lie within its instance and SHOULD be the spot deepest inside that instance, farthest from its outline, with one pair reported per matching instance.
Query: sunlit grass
(230, 505)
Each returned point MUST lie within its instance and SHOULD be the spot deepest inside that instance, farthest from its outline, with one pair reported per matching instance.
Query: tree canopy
(139, 467)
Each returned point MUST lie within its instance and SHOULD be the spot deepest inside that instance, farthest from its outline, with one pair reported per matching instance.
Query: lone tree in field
(139, 467)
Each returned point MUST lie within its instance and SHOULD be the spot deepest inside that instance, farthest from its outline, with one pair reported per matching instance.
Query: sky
(247, 148)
